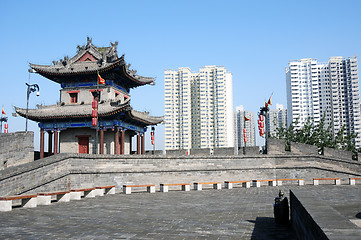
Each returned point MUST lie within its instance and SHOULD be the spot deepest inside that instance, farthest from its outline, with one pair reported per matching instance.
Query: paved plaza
(237, 213)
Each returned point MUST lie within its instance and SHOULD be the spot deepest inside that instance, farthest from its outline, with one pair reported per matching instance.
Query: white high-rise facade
(325, 89)
(276, 118)
(241, 124)
(198, 108)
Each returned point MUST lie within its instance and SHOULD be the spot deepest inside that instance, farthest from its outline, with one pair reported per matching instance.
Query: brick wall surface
(249, 151)
(313, 218)
(200, 151)
(275, 146)
(336, 153)
(223, 151)
(16, 148)
(301, 148)
(65, 171)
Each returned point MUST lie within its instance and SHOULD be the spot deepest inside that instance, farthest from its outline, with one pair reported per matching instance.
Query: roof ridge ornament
(88, 42)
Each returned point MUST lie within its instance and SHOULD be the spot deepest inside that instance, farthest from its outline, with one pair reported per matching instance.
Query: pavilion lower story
(114, 140)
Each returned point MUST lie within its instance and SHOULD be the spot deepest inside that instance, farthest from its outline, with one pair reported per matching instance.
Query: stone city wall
(16, 148)
(69, 171)
(302, 148)
(312, 218)
(275, 146)
(336, 153)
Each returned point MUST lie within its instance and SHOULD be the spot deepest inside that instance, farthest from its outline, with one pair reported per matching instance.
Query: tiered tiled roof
(67, 111)
(90, 60)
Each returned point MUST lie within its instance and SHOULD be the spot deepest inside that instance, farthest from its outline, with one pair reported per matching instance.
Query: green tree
(319, 135)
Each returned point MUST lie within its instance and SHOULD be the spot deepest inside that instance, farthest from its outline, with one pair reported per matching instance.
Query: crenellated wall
(16, 148)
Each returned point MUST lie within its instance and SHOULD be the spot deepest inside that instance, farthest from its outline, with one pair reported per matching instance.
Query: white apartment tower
(276, 118)
(331, 89)
(198, 108)
(241, 124)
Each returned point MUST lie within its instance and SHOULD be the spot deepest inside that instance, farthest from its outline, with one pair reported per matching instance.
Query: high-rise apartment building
(241, 124)
(276, 118)
(198, 108)
(325, 89)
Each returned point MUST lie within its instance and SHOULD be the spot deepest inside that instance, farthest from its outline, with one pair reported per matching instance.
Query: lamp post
(31, 88)
(264, 112)
(152, 138)
(2, 119)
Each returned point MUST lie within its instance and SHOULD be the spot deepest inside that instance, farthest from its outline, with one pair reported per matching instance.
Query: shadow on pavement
(266, 228)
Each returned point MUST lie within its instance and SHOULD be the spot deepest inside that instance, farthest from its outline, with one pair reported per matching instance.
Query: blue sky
(253, 39)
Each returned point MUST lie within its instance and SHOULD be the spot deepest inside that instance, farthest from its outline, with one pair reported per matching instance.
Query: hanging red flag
(246, 118)
(3, 112)
(100, 80)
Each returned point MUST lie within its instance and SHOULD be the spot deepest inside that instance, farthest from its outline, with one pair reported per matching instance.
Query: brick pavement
(237, 213)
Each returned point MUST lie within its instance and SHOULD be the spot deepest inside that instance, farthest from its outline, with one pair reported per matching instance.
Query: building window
(95, 93)
(73, 97)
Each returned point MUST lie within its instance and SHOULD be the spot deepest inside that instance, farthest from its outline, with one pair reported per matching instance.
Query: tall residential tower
(241, 124)
(329, 90)
(276, 118)
(198, 108)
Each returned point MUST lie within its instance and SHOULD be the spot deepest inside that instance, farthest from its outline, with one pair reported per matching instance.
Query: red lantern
(152, 137)
(244, 130)
(6, 128)
(261, 117)
(94, 122)
(94, 104)
(245, 139)
(261, 132)
(261, 124)
(94, 113)
(245, 135)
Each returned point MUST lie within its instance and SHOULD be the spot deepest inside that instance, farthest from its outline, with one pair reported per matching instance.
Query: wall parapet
(16, 148)
(65, 171)
(313, 219)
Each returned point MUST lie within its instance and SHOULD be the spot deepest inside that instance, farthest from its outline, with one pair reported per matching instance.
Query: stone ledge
(313, 218)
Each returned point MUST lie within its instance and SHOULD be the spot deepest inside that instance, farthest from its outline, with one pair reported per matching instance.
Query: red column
(56, 142)
(50, 143)
(130, 144)
(116, 141)
(101, 147)
(122, 136)
(41, 143)
(143, 144)
(138, 143)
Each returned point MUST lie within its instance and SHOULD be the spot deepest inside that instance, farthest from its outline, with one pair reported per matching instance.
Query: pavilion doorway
(83, 145)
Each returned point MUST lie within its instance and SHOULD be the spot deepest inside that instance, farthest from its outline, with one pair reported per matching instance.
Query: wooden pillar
(50, 143)
(116, 141)
(130, 144)
(41, 143)
(138, 143)
(101, 147)
(143, 144)
(122, 136)
(56, 142)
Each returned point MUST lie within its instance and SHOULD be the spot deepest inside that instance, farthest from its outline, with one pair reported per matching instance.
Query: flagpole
(244, 132)
(2, 119)
(97, 125)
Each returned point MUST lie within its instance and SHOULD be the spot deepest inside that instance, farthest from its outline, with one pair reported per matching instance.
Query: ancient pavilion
(69, 122)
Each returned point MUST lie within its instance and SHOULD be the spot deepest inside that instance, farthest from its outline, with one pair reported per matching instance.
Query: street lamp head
(38, 93)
